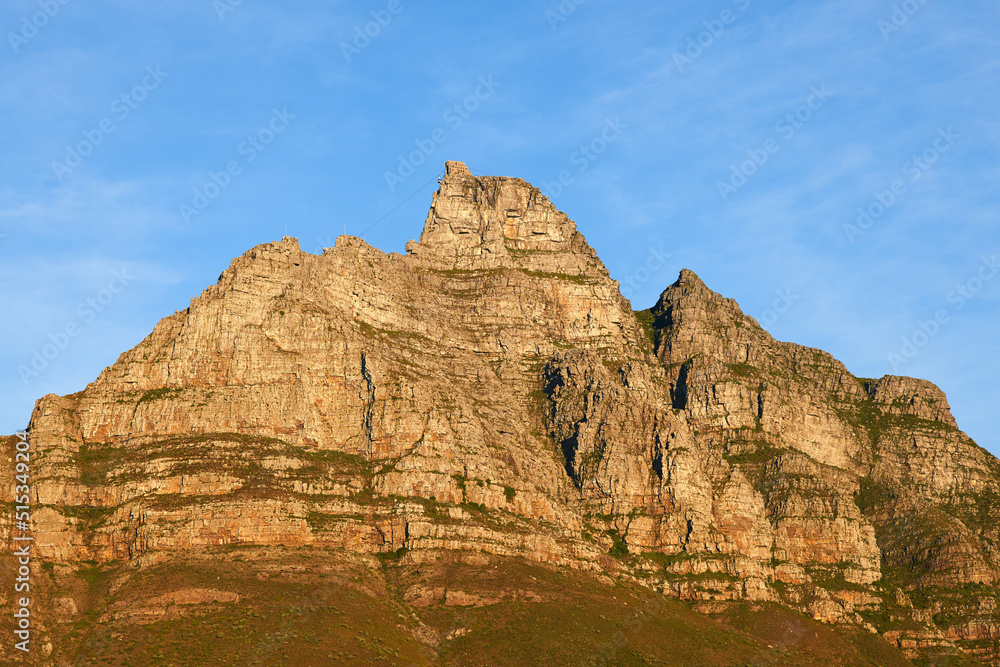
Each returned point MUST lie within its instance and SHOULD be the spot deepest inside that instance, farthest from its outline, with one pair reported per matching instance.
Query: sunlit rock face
(492, 391)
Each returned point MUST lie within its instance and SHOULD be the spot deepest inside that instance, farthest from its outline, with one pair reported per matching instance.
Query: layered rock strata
(492, 390)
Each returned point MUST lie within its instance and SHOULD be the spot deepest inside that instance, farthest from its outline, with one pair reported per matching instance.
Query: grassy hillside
(311, 607)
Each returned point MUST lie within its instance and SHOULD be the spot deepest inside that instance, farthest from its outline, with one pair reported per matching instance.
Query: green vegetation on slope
(313, 607)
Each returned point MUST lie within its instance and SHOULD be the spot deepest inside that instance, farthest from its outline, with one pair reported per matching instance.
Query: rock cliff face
(492, 391)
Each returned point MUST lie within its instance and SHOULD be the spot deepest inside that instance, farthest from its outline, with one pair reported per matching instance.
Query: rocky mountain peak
(690, 293)
(690, 279)
(488, 398)
(490, 217)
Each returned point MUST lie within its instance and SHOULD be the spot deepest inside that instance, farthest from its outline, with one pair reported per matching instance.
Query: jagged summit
(699, 320)
(689, 278)
(490, 397)
(484, 219)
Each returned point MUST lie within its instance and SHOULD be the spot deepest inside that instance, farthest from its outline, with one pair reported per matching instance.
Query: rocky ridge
(491, 391)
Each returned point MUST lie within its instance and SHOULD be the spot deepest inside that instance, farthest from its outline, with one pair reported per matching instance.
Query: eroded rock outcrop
(492, 390)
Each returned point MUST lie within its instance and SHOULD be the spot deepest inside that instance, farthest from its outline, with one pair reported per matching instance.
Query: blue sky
(147, 144)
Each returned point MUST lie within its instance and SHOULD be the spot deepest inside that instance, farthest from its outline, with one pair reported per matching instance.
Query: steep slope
(491, 392)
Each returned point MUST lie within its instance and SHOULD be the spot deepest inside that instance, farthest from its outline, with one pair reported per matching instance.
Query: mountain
(478, 453)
